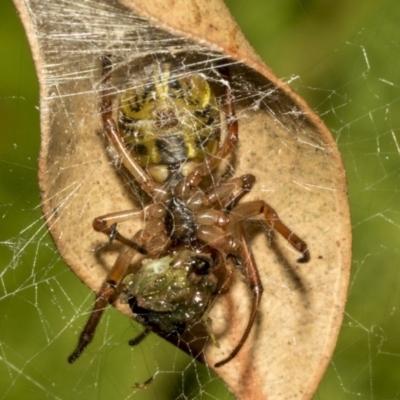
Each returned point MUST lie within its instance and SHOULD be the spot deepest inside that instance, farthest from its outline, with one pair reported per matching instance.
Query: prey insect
(168, 139)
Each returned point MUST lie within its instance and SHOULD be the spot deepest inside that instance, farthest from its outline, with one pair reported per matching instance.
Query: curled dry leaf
(282, 142)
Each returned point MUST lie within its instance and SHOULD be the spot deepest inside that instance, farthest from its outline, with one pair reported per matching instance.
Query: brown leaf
(282, 142)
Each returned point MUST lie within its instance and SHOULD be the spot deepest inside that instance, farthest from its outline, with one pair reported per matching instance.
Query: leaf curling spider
(168, 140)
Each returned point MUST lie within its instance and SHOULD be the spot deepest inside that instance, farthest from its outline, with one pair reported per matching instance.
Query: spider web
(344, 62)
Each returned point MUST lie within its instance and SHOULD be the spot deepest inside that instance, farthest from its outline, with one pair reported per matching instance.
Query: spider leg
(106, 295)
(236, 244)
(112, 132)
(259, 208)
(241, 213)
(256, 288)
(107, 224)
(225, 277)
(228, 194)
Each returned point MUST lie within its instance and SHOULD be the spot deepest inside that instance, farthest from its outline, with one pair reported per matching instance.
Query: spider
(167, 137)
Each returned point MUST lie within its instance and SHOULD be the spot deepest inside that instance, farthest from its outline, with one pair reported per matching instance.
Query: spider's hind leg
(228, 194)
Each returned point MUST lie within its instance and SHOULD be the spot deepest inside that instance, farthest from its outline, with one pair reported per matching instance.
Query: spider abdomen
(172, 119)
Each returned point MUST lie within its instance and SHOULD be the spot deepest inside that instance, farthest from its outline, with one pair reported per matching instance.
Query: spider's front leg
(241, 213)
(246, 255)
(107, 294)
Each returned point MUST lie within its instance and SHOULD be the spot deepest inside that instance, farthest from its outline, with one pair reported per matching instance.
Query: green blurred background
(343, 58)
